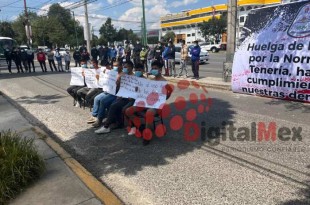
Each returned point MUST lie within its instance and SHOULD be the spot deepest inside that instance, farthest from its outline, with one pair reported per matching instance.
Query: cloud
(182, 3)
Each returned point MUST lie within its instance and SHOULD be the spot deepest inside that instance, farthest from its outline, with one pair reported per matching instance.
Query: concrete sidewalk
(59, 184)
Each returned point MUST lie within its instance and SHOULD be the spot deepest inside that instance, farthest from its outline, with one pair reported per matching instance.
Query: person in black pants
(77, 57)
(72, 90)
(17, 60)
(30, 58)
(8, 58)
(23, 57)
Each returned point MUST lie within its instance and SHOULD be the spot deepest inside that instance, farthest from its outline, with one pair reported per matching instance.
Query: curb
(106, 196)
(101, 192)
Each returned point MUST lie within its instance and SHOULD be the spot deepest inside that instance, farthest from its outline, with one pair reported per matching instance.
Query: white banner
(90, 78)
(130, 85)
(151, 94)
(107, 81)
(274, 58)
(77, 76)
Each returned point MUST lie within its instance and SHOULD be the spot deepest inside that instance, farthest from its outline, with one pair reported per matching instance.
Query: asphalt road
(172, 169)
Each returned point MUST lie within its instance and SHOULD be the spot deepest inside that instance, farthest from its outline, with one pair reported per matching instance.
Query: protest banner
(107, 81)
(129, 86)
(151, 94)
(273, 59)
(90, 78)
(77, 76)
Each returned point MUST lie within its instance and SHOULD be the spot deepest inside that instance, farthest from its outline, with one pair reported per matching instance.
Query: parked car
(204, 54)
(211, 46)
(62, 51)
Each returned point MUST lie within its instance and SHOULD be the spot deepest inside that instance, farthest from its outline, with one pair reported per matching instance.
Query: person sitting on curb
(115, 111)
(72, 90)
(89, 93)
(139, 70)
(103, 101)
(132, 112)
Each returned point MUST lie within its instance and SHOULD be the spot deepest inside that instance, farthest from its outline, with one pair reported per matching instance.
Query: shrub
(20, 164)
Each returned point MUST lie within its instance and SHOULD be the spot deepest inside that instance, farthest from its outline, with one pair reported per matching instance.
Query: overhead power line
(10, 4)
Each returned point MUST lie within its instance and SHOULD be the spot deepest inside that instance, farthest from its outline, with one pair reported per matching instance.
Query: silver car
(204, 54)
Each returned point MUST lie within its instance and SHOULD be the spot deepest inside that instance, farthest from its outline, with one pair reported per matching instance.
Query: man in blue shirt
(195, 57)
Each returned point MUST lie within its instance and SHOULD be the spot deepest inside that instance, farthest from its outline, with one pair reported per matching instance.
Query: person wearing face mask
(8, 58)
(85, 55)
(72, 90)
(23, 58)
(127, 51)
(159, 49)
(143, 56)
(150, 113)
(171, 58)
(67, 58)
(41, 58)
(103, 101)
(58, 57)
(114, 117)
(17, 60)
(30, 59)
(77, 57)
(184, 59)
(195, 57)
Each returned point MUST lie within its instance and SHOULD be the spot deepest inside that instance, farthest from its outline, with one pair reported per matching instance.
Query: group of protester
(110, 111)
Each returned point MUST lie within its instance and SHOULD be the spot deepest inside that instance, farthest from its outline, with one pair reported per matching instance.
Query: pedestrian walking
(58, 57)
(23, 58)
(30, 59)
(77, 57)
(184, 59)
(171, 58)
(50, 58)
(17, 60)
(41, 58)
(67, 58)
(8, 57)
(195, 58)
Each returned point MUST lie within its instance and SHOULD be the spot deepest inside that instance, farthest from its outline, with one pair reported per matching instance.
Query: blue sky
(124, 13)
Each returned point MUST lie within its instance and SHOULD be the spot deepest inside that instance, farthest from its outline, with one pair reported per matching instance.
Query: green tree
(170, 35)
(6, 29)
(107, 31)
(213, 27)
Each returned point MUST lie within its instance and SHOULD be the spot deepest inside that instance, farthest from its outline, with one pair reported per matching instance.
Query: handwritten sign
(107, 81)
(77, 76)
(151, 94)
(129, 86)
(90, 78)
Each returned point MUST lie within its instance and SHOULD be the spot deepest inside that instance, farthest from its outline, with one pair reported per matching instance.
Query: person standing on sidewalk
(58, 57)
(127, 51)
(165, 60)
(94, 53)
(171, 58)
(184, 59)
(67, 58)
(143, 56)
(150, 58)
(136, 53)
(195, 52)
(50, 58)
(30, 59)
(77, 57)
(23, 57)
(41, 59)
(8, 58)
(17, 60)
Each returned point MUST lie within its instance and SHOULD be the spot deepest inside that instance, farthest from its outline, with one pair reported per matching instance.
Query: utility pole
(87, 27)
(77, 43)
(144, 25)
(231, 34)
(27, 27)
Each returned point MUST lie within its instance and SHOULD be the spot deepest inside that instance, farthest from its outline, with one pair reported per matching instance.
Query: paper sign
(90, 78)
(77, 76)
(107, 81)
(151, 94)
(129, 86)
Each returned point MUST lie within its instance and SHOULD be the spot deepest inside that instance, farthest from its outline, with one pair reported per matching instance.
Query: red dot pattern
(176, 122)
(191, 114)
(180, 103)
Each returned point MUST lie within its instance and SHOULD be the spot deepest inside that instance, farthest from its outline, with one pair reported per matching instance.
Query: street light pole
(144, 25)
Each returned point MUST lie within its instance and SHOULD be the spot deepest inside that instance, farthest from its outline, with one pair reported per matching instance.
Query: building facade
(186, 24)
